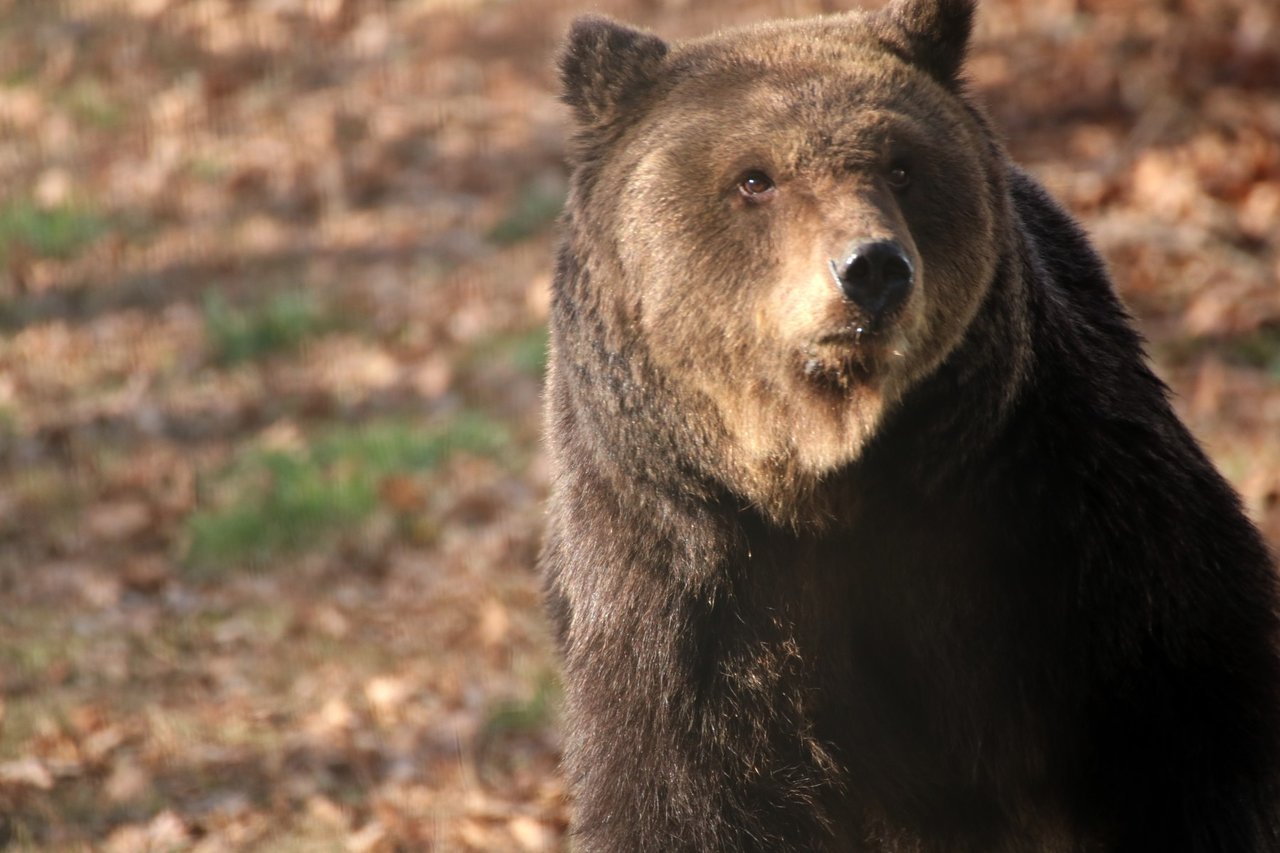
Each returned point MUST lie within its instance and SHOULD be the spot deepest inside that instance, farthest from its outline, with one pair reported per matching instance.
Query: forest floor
(273, 284)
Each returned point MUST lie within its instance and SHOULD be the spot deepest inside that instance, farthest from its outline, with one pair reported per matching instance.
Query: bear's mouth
(841, 362)
(851, 337)
(852, 356)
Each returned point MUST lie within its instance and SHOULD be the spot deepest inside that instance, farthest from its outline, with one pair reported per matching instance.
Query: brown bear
(871, 529)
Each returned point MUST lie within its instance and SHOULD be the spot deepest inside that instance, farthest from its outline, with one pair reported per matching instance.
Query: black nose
(876, 277)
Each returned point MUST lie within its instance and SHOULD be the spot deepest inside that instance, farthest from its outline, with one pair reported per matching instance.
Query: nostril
(897, 271)
(858, 269)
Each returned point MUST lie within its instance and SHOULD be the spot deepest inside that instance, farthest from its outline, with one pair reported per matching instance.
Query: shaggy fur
(962, 583)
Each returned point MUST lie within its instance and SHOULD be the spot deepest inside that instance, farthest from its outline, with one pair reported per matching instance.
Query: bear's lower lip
(837, 378)
(833, 362)
(848, 336)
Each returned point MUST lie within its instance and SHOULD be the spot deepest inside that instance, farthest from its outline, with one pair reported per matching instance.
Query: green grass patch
(512, 739)
(17, 75)
(534, 210)
(525, 351)
(523, 716)
(207, 169)
(59, 232)
(268, 503)
(90, 106)
(8, 426)
(281, 324)
(1258, 349)
(528, 352)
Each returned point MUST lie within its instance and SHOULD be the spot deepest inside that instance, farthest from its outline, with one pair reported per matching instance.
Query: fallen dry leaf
(26, 773)
(386, 695)
(147, 573)
(531, 835)
(370, 838)
(118, 520)
(129, 780)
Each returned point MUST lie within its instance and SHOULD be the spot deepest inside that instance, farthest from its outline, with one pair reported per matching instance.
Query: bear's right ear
(605, 66)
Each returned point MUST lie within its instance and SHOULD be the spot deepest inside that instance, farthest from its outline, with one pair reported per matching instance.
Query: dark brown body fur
(969, 588)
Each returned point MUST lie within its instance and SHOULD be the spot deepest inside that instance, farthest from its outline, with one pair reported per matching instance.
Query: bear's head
(794, 224)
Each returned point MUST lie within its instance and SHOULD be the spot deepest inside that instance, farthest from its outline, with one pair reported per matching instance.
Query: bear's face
(802, 225)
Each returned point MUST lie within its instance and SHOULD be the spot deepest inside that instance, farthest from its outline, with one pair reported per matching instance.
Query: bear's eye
(756, 186)
(899, 177)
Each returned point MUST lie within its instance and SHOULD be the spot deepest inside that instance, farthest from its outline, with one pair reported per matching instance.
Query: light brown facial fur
(734, 297)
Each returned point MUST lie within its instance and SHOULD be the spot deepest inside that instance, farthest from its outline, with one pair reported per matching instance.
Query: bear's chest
(926, 672)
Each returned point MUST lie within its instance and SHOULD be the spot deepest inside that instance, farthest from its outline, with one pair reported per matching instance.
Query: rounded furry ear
(932, 34)
(605, 66)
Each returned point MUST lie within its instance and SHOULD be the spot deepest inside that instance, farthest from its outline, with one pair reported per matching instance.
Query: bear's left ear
(606, 66)
(933, 34)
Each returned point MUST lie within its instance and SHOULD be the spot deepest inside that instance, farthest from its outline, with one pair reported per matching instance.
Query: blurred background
(273, 283)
